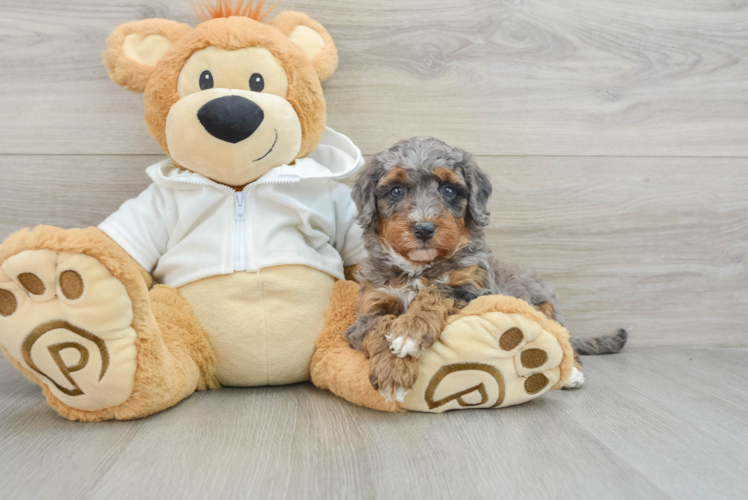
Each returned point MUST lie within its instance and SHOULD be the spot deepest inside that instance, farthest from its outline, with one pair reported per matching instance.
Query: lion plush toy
(248, 230)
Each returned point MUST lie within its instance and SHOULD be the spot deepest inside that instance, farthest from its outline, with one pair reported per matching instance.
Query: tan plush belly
(262, 326)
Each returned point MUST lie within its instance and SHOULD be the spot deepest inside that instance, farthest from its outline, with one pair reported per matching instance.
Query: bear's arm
(142, 225)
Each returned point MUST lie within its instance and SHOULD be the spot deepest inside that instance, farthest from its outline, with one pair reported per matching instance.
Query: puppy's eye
(256, 82)
(397, 193)
(449, 193)
(206, 80)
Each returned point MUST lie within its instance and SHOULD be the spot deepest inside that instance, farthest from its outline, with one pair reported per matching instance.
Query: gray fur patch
(607, 344)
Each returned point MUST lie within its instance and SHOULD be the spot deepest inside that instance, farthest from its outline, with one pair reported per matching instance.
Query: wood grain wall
(616, 134)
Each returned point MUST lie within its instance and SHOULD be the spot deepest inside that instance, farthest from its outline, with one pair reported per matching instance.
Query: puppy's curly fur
(422, 206)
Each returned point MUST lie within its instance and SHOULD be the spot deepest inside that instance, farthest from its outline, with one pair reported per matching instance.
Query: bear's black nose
(231, 118)
(424, 231)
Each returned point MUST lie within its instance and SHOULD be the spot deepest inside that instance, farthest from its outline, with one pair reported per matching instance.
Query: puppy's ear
(134, 49)
(364, 194)
(312, 38)
(480, 189)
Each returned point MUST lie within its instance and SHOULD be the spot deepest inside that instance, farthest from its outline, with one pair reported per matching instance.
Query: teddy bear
(230, 268)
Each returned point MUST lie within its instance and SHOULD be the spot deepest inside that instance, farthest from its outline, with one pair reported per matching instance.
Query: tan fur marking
(397, 174)
(8, 303)
(447, 175)
(465, 236)
(32, 283)
(449, 234)
(374, 302)
(547, 309)
(351, 272)
(397, 233)
(71, 284)
(470, 275)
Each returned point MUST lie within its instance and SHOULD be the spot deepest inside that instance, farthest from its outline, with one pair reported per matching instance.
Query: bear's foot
(498, 352)
(65, 319)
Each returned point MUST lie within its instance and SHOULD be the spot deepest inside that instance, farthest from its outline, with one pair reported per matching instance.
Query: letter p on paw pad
(67, 320)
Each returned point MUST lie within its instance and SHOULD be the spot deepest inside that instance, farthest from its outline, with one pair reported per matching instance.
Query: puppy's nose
(424, 231)
(231, 118)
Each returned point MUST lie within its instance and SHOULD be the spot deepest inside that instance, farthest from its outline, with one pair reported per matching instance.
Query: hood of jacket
(336, 157)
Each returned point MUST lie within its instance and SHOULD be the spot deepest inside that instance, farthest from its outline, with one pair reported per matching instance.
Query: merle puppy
(422, 206)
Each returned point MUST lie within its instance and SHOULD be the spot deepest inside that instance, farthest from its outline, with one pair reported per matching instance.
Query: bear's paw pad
(67, 320)
(490, 360)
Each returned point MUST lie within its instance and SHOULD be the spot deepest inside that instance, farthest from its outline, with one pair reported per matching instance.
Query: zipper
(240, 244)
(240, 213)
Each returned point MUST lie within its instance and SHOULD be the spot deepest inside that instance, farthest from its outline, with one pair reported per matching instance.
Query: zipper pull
(240, 213)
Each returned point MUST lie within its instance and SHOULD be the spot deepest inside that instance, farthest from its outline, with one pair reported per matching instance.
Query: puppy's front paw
(402, 346)
(408, 338)
(392, 375)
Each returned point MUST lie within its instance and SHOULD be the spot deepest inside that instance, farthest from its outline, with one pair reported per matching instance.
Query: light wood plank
(67, 191)
(655, 245)
(658, 246)
(582, 77)
(650, 423)
(670, 410)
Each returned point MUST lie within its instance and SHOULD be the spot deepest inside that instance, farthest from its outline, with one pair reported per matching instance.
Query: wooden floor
(616, 136)
(651, 423)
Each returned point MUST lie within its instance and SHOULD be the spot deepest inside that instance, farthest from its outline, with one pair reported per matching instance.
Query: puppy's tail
(607, 344)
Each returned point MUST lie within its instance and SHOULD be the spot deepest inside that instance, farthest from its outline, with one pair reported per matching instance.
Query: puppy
(422, 206)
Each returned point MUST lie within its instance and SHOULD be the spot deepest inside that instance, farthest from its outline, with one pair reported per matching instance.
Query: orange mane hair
(212, 9)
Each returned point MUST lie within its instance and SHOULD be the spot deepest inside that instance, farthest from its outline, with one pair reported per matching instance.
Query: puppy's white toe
(402, 347)
(396, 345)
(576, 380)
(386, 393)
(400, 393)
(410, 348)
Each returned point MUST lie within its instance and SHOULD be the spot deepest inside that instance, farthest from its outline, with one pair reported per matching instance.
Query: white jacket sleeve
(348, 239)
(142, 225)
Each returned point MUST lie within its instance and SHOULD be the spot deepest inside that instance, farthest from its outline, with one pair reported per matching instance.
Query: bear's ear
(313, 39)
(133, 49)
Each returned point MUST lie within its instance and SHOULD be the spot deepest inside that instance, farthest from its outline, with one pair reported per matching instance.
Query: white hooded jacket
(185, 227)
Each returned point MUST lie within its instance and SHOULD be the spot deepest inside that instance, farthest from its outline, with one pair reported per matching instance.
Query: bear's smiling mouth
(271, 147)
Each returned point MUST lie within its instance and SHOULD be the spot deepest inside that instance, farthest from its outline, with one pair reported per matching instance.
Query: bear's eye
(256, 82)
(206, 80)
